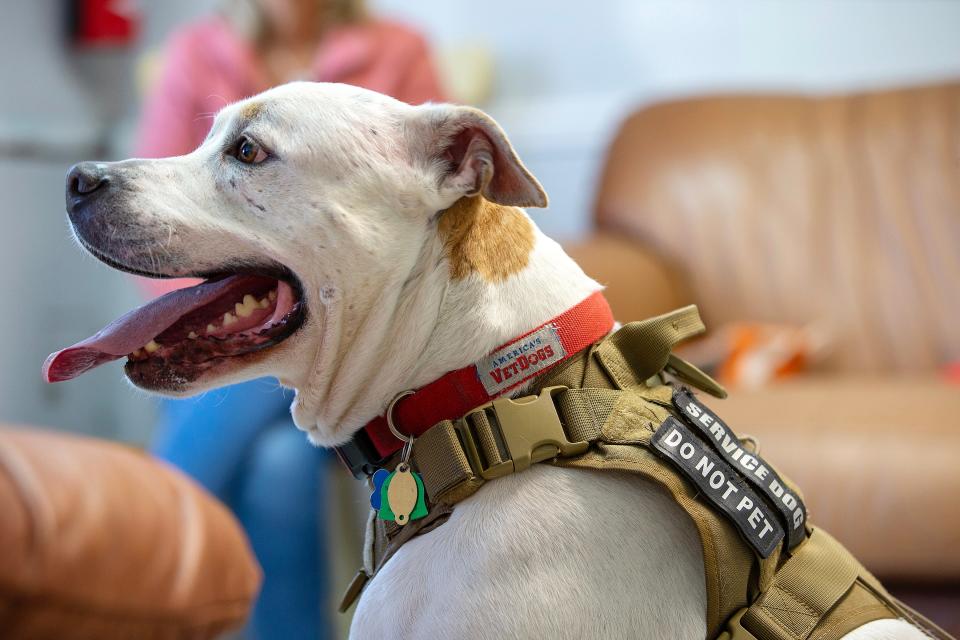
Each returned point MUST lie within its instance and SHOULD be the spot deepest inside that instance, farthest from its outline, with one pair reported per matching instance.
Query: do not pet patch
(754, 468)
(719, 483)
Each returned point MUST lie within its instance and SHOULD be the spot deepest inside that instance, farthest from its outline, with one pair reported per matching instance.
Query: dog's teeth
(272, 295)
(245, 310)
(192, 335)
(211, 328)
(263, 304)
(151, 346)
(229, 319)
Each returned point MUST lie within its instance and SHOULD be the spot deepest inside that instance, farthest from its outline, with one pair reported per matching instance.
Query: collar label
(754, 468)
(523, 358)
(719, 483)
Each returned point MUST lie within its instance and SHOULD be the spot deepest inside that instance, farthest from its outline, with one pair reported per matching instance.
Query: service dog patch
(754, 468)
(524, 357)
(720, 484)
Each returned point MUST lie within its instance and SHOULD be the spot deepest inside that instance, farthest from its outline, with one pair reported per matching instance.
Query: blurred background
(791, 166)
(559, 79)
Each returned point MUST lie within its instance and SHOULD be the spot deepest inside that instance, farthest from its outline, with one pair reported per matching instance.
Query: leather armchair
(842, 211)
(101, 541)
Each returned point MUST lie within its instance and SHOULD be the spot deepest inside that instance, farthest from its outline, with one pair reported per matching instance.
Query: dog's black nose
(85, 178)
(84, 181)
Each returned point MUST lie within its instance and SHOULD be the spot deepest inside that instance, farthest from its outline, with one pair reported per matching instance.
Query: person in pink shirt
(240, 442)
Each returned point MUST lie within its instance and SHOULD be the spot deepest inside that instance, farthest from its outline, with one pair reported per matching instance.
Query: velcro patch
(720, 484)
(754, 468)
(524, 357)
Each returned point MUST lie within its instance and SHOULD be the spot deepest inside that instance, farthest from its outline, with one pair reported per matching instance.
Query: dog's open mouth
(186, 332)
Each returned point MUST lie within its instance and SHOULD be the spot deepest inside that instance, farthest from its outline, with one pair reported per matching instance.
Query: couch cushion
(837, 210)
(876, 459)
(105, 542)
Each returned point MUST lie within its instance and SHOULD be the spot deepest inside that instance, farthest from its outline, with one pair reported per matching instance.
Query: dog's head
(301, 195)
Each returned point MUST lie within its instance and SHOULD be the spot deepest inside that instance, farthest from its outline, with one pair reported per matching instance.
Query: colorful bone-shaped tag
(398, 496)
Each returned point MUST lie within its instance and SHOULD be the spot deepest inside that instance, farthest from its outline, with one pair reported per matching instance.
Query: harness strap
(642, 349)
(442, 462)
(808, 585)
(599, 411)
(820, 578)
(456, 457)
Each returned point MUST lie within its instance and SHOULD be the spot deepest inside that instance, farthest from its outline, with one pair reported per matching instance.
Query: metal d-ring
(753, 441)
(405, 439)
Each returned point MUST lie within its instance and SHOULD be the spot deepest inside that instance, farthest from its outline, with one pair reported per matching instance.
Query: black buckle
(359, 456)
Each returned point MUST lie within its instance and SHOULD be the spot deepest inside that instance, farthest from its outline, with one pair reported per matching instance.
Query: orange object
(759, 353)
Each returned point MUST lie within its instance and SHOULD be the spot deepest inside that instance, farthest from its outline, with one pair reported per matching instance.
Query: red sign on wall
(99, 23)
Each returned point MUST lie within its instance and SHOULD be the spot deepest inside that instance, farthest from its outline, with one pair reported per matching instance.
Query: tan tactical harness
(599, 410)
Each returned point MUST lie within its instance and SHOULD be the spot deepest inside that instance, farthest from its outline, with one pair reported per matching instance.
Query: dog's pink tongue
(132, 331)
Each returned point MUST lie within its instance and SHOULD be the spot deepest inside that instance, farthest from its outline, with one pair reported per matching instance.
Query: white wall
(568, 72)
(563, 48)
(55, 107)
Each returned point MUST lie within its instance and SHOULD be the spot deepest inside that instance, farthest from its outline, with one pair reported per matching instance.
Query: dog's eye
(249, 152)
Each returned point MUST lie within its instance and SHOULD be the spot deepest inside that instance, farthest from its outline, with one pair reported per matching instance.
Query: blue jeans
(240, 443)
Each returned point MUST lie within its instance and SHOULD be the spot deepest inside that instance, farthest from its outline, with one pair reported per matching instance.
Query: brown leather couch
(842, 211)
(99, 541)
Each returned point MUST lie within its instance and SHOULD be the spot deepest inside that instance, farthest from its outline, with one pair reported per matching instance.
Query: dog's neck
(485, 275)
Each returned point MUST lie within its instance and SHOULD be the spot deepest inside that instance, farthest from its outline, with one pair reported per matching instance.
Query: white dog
(313, 210)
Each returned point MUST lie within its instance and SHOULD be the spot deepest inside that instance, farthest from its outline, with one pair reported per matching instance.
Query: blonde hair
(247, 17)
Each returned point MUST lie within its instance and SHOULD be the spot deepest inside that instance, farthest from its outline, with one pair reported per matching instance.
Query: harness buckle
(529, 427)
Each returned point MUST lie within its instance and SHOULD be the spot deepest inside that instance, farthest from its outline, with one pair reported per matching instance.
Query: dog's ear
(477, 157)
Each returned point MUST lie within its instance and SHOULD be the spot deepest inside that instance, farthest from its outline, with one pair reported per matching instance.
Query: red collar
(455, 393)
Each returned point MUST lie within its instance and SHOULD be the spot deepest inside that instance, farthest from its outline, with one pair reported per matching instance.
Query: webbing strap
(456, 457)
(803, 590)
(642, 349)
(442, 461)
(585, 411)
(691, 374)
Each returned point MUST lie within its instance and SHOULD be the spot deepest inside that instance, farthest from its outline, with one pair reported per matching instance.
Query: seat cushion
(105, 542)
(876, 459)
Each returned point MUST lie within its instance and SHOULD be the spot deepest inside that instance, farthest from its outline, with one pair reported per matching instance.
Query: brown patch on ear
(251, 110)
(490, 239)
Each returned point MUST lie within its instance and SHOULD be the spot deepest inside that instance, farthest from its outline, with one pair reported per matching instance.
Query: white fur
(549, 553)
(351, 208)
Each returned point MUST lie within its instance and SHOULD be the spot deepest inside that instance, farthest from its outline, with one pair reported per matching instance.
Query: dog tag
(402, 493)
(381, 499)
(379, 478)
(384, 511)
